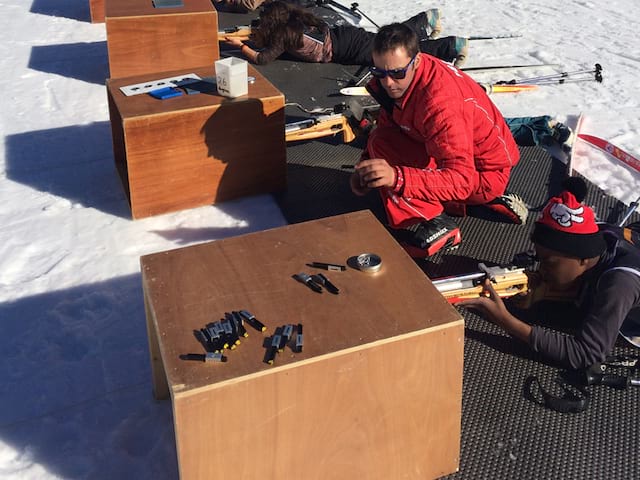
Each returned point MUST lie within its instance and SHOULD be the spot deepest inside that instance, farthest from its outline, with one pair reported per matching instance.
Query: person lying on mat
(246, 6)
(238, 6)
(598, 263)
(439, 142)
(285, 28)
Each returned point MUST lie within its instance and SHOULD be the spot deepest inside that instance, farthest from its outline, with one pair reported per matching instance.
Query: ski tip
(354, 91)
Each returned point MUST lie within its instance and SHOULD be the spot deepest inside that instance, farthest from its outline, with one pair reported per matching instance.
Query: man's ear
(588, 262)
(417, 61)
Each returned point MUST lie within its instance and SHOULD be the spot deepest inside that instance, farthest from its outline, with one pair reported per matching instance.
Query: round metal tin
(369, 262)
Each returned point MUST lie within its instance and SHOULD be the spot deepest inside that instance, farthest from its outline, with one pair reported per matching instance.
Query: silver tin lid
(369, 262)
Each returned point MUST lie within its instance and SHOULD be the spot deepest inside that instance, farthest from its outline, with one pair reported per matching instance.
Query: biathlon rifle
(242, 32)
(319, 126)
(507, 281)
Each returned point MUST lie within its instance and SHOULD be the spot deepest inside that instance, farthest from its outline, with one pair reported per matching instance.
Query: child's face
(557, 269)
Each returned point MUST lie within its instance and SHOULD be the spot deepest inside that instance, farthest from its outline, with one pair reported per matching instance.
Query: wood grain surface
(376, 392)
(143, 39)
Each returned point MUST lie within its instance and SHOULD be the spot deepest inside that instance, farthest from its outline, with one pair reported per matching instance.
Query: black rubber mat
(505, 434)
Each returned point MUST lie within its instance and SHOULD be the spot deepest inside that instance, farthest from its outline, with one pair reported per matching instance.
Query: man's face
(558, 270)
(393, 60)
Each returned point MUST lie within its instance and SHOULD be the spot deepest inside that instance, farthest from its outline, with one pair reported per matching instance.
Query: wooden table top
(135, 8)
(189, 287)
(142, 105)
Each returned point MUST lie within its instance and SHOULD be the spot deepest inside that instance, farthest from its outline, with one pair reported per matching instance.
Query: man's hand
(490, 305)
(376, 173)
(356, 185)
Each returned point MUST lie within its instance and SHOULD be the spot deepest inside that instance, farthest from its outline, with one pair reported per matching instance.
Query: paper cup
(231, 77)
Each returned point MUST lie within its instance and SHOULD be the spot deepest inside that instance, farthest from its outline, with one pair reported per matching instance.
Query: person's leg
(449, 49)
(490, 186)
(491, 193)
(398, 149)
(351, 45)
(425, 24)
(530, 131)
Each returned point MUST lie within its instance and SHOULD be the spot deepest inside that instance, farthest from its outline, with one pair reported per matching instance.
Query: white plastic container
(231, 77)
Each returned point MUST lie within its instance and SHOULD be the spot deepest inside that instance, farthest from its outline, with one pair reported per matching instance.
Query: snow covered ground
(75, 395)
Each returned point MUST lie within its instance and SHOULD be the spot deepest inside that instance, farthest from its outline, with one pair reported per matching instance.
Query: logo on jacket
(565, 215)
(452, 68)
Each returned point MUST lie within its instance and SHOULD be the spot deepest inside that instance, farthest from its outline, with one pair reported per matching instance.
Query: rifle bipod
(356, 8)
(351, 12)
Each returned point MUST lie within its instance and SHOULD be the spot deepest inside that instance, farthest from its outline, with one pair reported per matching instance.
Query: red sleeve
(448, 139)
(383, 120)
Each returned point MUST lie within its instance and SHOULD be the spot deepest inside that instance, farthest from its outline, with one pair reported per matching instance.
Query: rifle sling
(573, 400)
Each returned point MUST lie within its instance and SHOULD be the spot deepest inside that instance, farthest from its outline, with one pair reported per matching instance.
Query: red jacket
(461, 128)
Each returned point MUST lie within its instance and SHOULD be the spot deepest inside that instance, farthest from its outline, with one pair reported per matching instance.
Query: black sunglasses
(395, 73)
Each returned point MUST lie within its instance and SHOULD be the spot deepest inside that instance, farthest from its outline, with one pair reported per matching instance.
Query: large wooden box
(198, 149)
(375, 393)
(143, 39)
(96, 9)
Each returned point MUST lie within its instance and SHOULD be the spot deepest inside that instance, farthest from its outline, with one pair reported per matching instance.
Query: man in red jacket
(440, 143)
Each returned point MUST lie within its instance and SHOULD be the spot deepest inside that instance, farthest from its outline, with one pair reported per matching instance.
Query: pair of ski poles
(560, 78)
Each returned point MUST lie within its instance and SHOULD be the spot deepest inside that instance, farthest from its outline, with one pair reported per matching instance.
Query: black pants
(353, 45)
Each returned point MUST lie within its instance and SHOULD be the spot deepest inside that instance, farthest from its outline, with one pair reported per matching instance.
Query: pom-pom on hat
(567, 226)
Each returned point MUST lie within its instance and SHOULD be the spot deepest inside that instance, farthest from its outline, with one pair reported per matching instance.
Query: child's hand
(233, 42)
(488, 304)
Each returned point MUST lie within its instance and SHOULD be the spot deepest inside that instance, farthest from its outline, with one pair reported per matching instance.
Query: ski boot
(433, 21)
(511, 206)
(425, 239)
(563, 135)
(462, 51)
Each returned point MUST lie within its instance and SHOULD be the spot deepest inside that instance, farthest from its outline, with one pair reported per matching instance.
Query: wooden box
(198, 149)
(375, 393)
(143, 39)
(96, 9)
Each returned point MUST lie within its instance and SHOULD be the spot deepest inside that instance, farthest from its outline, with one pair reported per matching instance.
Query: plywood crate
(375, 393)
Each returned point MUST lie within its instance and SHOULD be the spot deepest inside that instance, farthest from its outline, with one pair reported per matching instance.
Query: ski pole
(560, 81)
(355, 8)
(508, 67)
(632, 208)
(597, 72)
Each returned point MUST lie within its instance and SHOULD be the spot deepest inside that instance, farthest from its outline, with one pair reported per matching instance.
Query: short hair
(394, 36)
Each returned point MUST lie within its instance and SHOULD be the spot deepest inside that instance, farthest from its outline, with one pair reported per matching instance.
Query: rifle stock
(507, 281)
(323, 126)
(243, 32)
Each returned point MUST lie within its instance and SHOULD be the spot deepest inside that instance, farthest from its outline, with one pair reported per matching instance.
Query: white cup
(231, 77)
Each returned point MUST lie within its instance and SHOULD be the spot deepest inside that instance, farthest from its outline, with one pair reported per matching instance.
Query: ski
(363, 79)
(509, 67)
(501, 88)
(354, 91)
(488, 87)
(612, 150)
(576, 132)
(494, 37)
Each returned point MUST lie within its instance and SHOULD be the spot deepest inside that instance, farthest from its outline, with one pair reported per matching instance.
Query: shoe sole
(449, 242)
